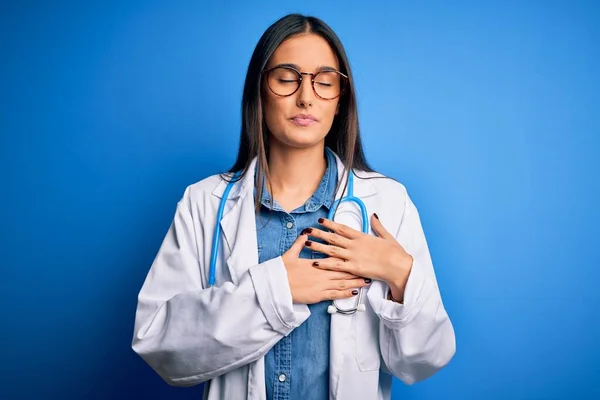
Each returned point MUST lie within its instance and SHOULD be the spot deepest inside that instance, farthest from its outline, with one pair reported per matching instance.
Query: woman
(263, 330)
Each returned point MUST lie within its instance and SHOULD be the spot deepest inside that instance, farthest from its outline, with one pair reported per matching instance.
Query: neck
(296, 172)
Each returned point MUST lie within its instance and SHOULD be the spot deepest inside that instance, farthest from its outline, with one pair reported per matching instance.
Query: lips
(304, 120)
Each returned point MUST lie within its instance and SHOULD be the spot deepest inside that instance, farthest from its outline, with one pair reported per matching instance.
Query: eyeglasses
(285, 81)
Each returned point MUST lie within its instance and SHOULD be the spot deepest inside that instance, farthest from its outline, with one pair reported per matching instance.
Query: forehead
(308, 51)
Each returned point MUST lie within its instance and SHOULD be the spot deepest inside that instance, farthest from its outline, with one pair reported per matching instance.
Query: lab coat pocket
(366, 334)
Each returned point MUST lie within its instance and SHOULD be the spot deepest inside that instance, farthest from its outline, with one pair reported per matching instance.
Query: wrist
(399, 300)
(397, 294)
(397, 281)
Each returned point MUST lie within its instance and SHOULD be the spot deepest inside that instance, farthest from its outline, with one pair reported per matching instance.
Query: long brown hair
(344, 135)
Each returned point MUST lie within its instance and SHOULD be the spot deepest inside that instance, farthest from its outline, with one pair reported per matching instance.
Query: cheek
(329, 112)
(275, 112)
(269, 112)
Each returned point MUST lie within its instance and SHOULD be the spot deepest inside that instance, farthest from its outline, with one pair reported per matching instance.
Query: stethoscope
(333, 308)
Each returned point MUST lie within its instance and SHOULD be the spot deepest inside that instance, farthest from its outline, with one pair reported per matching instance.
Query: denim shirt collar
(324, 194)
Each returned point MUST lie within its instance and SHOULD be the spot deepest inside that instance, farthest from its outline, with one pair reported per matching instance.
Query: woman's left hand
(378, 257)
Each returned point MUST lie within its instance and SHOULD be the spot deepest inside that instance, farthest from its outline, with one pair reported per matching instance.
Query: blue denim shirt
(297, 367)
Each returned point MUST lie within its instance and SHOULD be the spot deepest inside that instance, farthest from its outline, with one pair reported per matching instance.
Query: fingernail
(367, 280)
(307, 231)
(316, 264)
(375, 214)
(321, 220)
(308, 243)
(355, 292)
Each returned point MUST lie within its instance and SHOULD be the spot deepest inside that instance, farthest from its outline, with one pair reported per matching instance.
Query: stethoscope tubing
(349, 198)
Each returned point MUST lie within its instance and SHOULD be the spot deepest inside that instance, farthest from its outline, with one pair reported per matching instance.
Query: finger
(332, 251)
(340, 294)
(379, 229)
(346, 284)
(298, 245)
(337, 275)
(340, 229)
(333, 264)
(329, 237)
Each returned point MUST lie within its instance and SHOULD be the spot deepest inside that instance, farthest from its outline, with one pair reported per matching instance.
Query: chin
(300, 139)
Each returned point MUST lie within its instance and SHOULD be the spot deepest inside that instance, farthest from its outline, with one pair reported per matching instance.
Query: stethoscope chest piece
(332, 309)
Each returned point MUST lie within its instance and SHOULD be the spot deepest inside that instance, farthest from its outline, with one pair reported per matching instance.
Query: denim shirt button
(304, 353)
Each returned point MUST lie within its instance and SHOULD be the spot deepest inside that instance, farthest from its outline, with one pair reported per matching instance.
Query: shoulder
(385, 186)
(198, 191)
(391, 202)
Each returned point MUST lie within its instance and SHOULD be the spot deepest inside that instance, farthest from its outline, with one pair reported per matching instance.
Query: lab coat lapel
(239, 234)
(239, 231)
(239, 225)
(341, 335)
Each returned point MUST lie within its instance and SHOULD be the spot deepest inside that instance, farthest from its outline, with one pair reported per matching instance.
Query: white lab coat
(189, 333)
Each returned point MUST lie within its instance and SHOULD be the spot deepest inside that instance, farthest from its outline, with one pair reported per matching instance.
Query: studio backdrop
(488, 113)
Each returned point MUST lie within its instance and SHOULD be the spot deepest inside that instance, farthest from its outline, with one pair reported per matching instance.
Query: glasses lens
(328, 84)
(283, 81)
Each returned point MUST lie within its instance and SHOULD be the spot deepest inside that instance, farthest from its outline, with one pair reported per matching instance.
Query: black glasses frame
(344, 78)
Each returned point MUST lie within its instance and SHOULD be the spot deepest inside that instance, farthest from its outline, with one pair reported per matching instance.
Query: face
(283, 114)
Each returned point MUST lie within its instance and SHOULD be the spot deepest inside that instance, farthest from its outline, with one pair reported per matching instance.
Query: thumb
(298, 245)
(378, 227)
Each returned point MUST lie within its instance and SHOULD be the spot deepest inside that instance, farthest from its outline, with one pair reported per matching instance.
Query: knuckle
(332, 238)
(342, 285)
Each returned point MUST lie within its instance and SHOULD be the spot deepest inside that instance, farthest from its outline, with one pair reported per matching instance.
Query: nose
(305, 93)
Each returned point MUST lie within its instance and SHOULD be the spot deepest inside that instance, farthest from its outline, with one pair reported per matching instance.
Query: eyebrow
(295, 66)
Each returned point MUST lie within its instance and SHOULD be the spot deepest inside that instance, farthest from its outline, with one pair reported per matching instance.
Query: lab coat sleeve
(416, 338)
(189, 334)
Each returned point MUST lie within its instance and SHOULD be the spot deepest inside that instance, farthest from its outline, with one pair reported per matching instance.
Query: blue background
(487, 111)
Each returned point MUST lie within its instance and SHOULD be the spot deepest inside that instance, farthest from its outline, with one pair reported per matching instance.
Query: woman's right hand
(311, 285)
